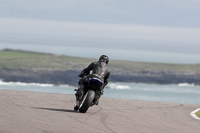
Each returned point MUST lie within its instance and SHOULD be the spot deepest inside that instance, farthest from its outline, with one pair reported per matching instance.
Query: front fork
(79, 97)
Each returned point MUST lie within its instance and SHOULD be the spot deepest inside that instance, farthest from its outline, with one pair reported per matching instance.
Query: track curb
(193, 114)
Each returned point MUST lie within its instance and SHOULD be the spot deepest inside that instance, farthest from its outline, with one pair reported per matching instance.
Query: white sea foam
(118, 86)
(185, 84)
(183, 88)
(2, 83)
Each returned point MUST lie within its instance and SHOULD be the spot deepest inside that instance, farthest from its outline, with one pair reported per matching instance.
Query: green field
(18, 59)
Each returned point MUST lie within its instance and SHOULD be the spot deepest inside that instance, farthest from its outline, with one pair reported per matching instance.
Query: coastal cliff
(70, 77)
(33, 67)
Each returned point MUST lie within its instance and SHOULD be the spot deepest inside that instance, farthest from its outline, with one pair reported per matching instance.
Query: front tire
(87, 101)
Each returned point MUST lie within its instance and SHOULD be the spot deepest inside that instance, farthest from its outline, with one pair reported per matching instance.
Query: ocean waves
(170, 88)
(118, 86)
(179, 93)
(2, 83)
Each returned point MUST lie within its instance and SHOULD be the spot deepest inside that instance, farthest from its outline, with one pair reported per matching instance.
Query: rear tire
(87, 101)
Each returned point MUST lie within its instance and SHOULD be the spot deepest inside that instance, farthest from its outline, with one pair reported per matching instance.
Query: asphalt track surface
(33, 112)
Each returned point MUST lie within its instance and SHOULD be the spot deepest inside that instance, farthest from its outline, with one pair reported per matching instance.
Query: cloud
(179, 13)
(99, 30)
(108, 36)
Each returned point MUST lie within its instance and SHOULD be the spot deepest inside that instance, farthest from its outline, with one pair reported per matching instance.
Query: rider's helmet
(104, 58)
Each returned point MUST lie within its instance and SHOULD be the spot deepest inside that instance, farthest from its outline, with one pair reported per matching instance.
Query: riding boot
(80, 90)
(100, 93)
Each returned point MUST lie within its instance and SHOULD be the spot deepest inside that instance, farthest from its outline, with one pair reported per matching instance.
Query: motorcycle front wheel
(87, 101)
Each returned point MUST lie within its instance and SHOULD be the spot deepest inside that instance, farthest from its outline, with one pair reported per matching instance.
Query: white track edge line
(193, 114)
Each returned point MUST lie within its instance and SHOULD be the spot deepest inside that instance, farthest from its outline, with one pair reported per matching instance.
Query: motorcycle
(89, 96)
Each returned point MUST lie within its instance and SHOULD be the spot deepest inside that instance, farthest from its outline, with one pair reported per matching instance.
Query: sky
(139, 30)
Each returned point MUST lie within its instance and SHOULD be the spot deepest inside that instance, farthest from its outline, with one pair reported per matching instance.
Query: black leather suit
(98, 70)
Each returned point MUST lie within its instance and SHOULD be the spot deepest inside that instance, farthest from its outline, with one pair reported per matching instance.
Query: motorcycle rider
(98, 70)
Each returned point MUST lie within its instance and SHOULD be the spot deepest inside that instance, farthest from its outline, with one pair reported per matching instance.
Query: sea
(175, 93)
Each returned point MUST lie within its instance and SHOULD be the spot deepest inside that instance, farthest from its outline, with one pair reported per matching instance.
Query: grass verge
(198, 113)
(19, 59)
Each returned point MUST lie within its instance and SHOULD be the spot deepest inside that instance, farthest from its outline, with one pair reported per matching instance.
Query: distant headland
(36, 67)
